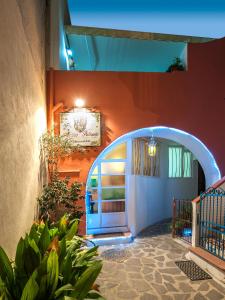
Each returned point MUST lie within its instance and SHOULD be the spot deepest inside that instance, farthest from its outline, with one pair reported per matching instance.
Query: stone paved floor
(150, 273)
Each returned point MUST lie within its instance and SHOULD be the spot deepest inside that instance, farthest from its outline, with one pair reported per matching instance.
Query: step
(208, 262)
(111, 238)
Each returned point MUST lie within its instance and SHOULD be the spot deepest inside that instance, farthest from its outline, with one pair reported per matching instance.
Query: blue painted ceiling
(122, 54)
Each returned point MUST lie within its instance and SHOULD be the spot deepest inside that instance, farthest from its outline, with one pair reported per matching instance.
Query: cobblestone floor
(148, 272)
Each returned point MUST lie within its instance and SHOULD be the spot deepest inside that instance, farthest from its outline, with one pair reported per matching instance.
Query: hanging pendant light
(152, 147)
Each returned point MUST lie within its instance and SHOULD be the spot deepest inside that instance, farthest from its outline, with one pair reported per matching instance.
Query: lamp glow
(69, 52)
(79, 103)
(152, 147)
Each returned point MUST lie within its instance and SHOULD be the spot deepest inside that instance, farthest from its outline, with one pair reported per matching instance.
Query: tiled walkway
(148, 271)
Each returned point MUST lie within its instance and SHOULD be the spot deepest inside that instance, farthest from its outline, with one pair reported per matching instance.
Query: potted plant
(54, 147)
(177, 65)
(59, 196)
(51, 263)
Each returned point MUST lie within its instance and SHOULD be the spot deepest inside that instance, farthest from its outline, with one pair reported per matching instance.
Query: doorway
(106, 193)
(112, 204)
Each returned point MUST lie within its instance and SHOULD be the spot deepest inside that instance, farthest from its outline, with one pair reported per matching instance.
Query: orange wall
(193, 101)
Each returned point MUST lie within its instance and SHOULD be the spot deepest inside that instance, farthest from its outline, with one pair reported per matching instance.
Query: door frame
(97, 163)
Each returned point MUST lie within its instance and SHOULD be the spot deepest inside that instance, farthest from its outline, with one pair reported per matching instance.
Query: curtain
(142, 163)
(151, 163)
(136, 157)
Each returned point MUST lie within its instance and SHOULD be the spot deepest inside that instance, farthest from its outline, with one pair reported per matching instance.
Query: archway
(190, 142)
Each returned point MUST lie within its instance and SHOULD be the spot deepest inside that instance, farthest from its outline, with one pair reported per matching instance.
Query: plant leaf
(66, 287)
(62, 247)
(63, 224)
(67, 268)
(19, 259)
(32, 256)
(94, 295)
(43, 289)
(72, 231)
(30, 290)
(84, 256)
(21, 277)
(4, 293)
(6, 271)
(86, 280)
(52, 271)
(44, 239)
(34, 235)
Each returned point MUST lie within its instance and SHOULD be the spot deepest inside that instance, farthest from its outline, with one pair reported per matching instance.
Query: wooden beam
(94, 31)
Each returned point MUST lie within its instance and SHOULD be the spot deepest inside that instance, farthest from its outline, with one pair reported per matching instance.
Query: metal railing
(212, 222)
(182, 219)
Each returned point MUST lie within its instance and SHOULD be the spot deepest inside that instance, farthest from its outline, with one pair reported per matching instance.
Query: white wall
(22, 115)
(150, 198)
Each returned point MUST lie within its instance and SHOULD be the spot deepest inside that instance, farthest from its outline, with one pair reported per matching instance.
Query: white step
(111, 239)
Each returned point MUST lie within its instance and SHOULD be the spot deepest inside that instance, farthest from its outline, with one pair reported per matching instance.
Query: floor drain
(193, 271)
(116, 254)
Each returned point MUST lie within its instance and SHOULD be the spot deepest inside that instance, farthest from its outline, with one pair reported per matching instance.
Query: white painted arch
(200, 151)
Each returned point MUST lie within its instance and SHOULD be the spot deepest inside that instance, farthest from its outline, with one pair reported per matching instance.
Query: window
(180, 162)
(187, 164)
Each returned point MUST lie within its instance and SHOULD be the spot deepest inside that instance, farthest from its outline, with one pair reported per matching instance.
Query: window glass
(93, 181)
(113, 193)
(113, 180)
(187, 164)
(116, 206)
(95, 172)
(175, 162)
(113, 168)
(94, 195)
(118, 152)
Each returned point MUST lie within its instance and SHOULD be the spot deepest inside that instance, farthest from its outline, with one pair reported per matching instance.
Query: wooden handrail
(214, 186)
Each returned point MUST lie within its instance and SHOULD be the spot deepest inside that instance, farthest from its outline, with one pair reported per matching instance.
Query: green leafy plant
(58, 198)
(55, 147)
(176, 66)
(50, 263)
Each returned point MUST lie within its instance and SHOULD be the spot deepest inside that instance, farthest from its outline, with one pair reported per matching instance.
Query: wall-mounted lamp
(152, 147)
(69, 52)
(70, 58)
(79, 103)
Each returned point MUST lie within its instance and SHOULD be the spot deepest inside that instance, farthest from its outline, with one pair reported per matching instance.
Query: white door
(106, 208)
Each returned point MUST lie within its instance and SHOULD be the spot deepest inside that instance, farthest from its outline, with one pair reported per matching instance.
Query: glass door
(106, 193)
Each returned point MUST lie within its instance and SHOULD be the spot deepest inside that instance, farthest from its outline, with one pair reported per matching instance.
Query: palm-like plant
(50, 264)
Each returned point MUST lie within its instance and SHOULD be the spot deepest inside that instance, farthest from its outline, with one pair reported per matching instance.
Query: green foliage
(56, 146)
(177, 65)
(51, 264)
(59, 198)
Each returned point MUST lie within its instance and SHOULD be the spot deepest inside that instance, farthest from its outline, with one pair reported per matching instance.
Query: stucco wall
(22, 114)
(152, 197)
(192, 101)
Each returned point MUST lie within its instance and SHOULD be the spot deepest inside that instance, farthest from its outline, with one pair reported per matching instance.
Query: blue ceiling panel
(123, 54)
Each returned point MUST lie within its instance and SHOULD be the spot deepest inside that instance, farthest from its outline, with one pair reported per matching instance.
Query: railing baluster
(182, 219)
(212, 222)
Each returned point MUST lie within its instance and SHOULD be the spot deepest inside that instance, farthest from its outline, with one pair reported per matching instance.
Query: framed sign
(84, 127)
